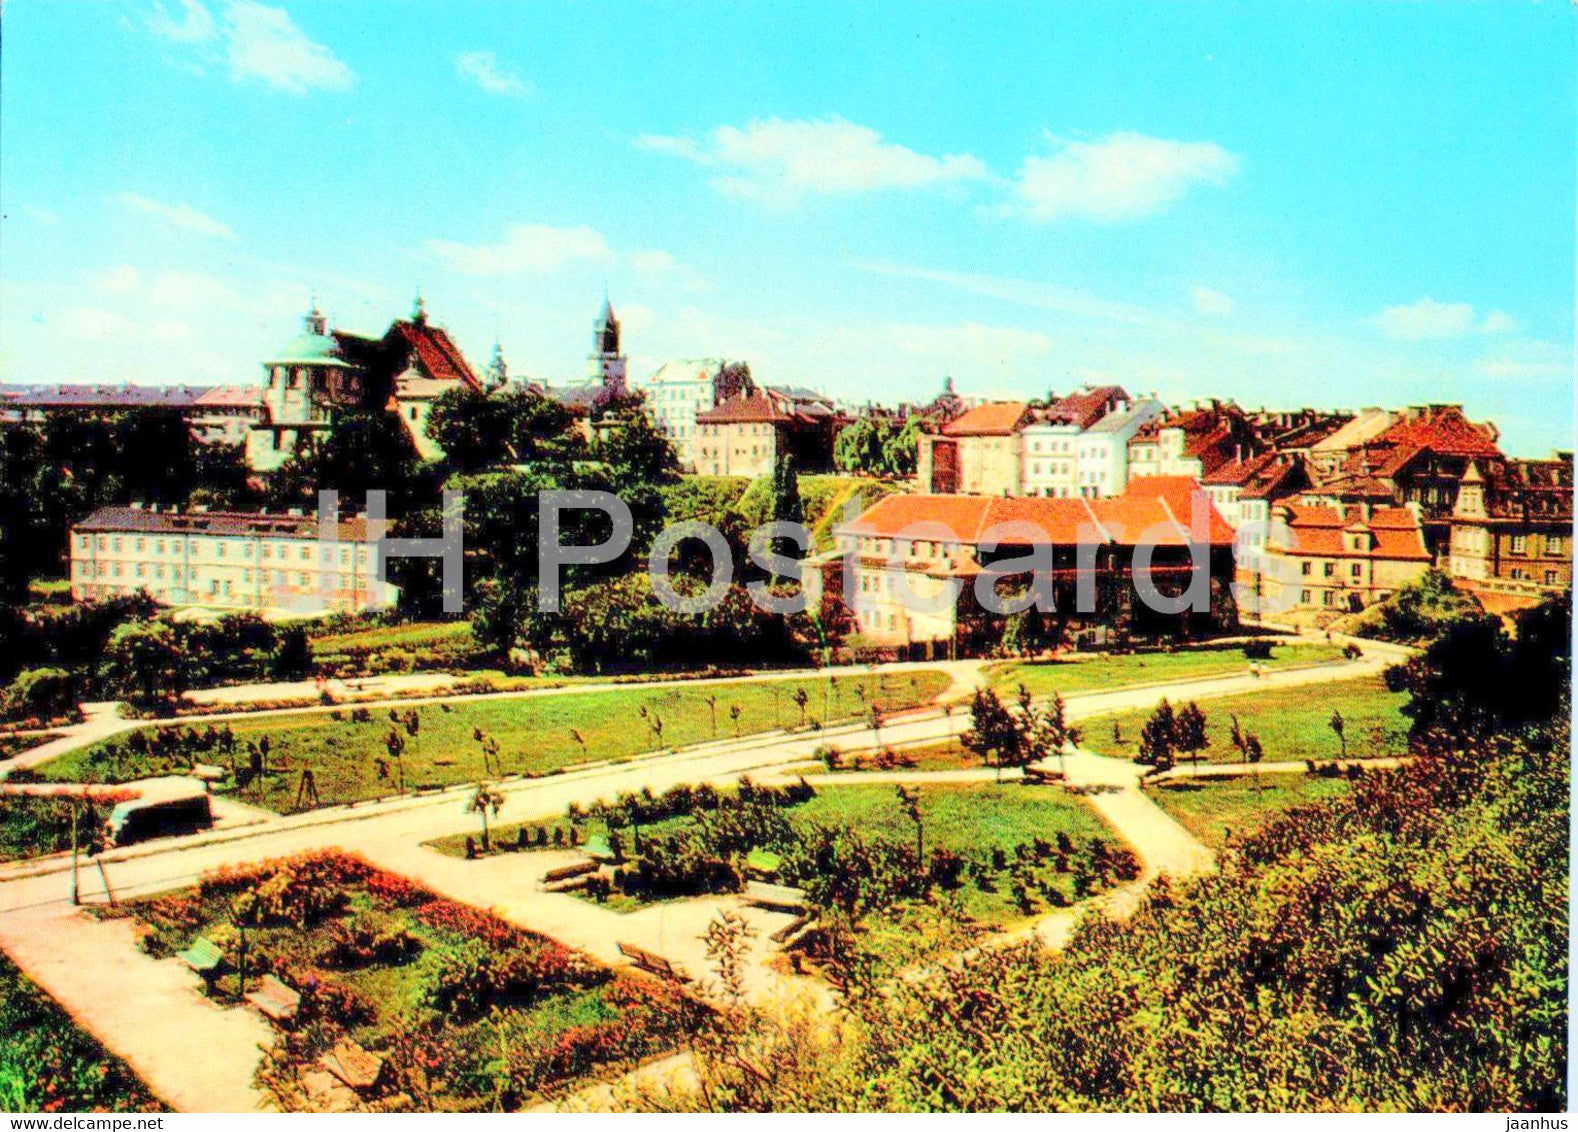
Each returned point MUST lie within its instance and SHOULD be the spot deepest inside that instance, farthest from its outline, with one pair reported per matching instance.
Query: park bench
(654, 964)
(355, 1066)
(206, 959)
(569, 872)
(276, 1001)
(776, 896)
(762, 864)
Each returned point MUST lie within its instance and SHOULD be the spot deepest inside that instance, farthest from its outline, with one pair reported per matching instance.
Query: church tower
(608, 364)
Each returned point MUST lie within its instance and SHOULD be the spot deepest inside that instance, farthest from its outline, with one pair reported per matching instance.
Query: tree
(801, 697)
(1157, 738)
(994, 734)
(292, 659)
(909, 802)
(1339, 727)
(145, 661)
(485, 799)
(41, 693)
(394, 743)
(1189, 734)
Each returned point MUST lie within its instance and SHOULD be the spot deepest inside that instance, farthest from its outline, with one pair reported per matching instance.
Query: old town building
(907, 566)
(321, 374)
(977, 453)
(1340, 558)
(749, 434)
(1511, 541)
(255, 562)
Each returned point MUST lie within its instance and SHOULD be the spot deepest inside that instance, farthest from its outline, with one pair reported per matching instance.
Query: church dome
(313, 347)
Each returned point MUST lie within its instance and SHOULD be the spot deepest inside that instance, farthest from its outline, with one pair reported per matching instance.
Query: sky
(1286, 204)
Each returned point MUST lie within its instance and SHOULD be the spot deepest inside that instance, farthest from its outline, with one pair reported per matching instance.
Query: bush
(42, 693)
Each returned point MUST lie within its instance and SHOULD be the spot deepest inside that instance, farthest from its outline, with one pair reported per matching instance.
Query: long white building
(229, 561)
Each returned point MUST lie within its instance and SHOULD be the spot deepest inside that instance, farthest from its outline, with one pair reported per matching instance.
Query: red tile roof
(1000, 418)
(1317, 531)
(1444, 430)
(439, 356)
(1155, 508)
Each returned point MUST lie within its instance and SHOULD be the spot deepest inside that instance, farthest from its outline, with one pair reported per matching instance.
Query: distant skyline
(1283, 204)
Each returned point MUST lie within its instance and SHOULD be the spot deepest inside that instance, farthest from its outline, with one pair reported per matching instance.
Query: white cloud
(264, 43)
(774, 161)
(659, 268)
(1209, 302)
(1498, 322)
(1426, 319)
(1529, 359)
(537, 249)
(196, 25)
(1124, 176)
(257, 42)
(483, 69)
(178, 215)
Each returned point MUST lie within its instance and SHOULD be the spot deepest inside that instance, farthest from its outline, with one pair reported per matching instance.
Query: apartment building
(749, 434)
(1191, 442)
(1102, 461)
(977, 453)
(256, 562)
(1511, 541)
(1341, 559)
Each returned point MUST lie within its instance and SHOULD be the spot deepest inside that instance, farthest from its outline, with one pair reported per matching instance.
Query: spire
(419, 310)
(314, 322)
(497, 375)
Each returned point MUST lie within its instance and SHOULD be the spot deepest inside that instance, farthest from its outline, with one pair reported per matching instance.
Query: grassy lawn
(1213, 810)
(495, 1015)
(1095, 672)
(536, 735)
(1291, 723)
(396, 648)
(980, 822)
(50, 1064)
(32, 826)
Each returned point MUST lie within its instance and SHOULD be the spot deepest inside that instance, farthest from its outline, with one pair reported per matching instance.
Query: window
(1553, 544)
(1519, 544)
(1357, 570)
(1331, 569)
(1309, 568)
(1550, 577)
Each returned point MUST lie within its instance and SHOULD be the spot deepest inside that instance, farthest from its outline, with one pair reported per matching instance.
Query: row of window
(116, 544)
(156, 571)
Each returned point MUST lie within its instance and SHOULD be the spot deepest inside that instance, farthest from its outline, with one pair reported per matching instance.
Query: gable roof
(998, 418)
(433, 350)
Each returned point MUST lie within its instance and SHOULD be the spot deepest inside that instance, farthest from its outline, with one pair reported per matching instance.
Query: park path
(197, 1055)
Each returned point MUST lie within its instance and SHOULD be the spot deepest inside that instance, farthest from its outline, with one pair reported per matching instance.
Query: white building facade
(675, 393)
(1102, 453)
(231, 562)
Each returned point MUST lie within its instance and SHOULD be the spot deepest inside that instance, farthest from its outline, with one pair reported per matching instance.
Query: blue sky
(1286, 204)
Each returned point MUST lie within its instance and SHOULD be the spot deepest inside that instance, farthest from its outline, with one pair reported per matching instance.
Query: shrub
(42, 693)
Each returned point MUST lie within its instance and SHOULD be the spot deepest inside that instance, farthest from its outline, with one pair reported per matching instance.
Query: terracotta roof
(1442, 429)
(439, 356)
(772, 406)
(1157, 508)
(999, 418)
(757, 407)
(1317, 531)
(248, 524)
